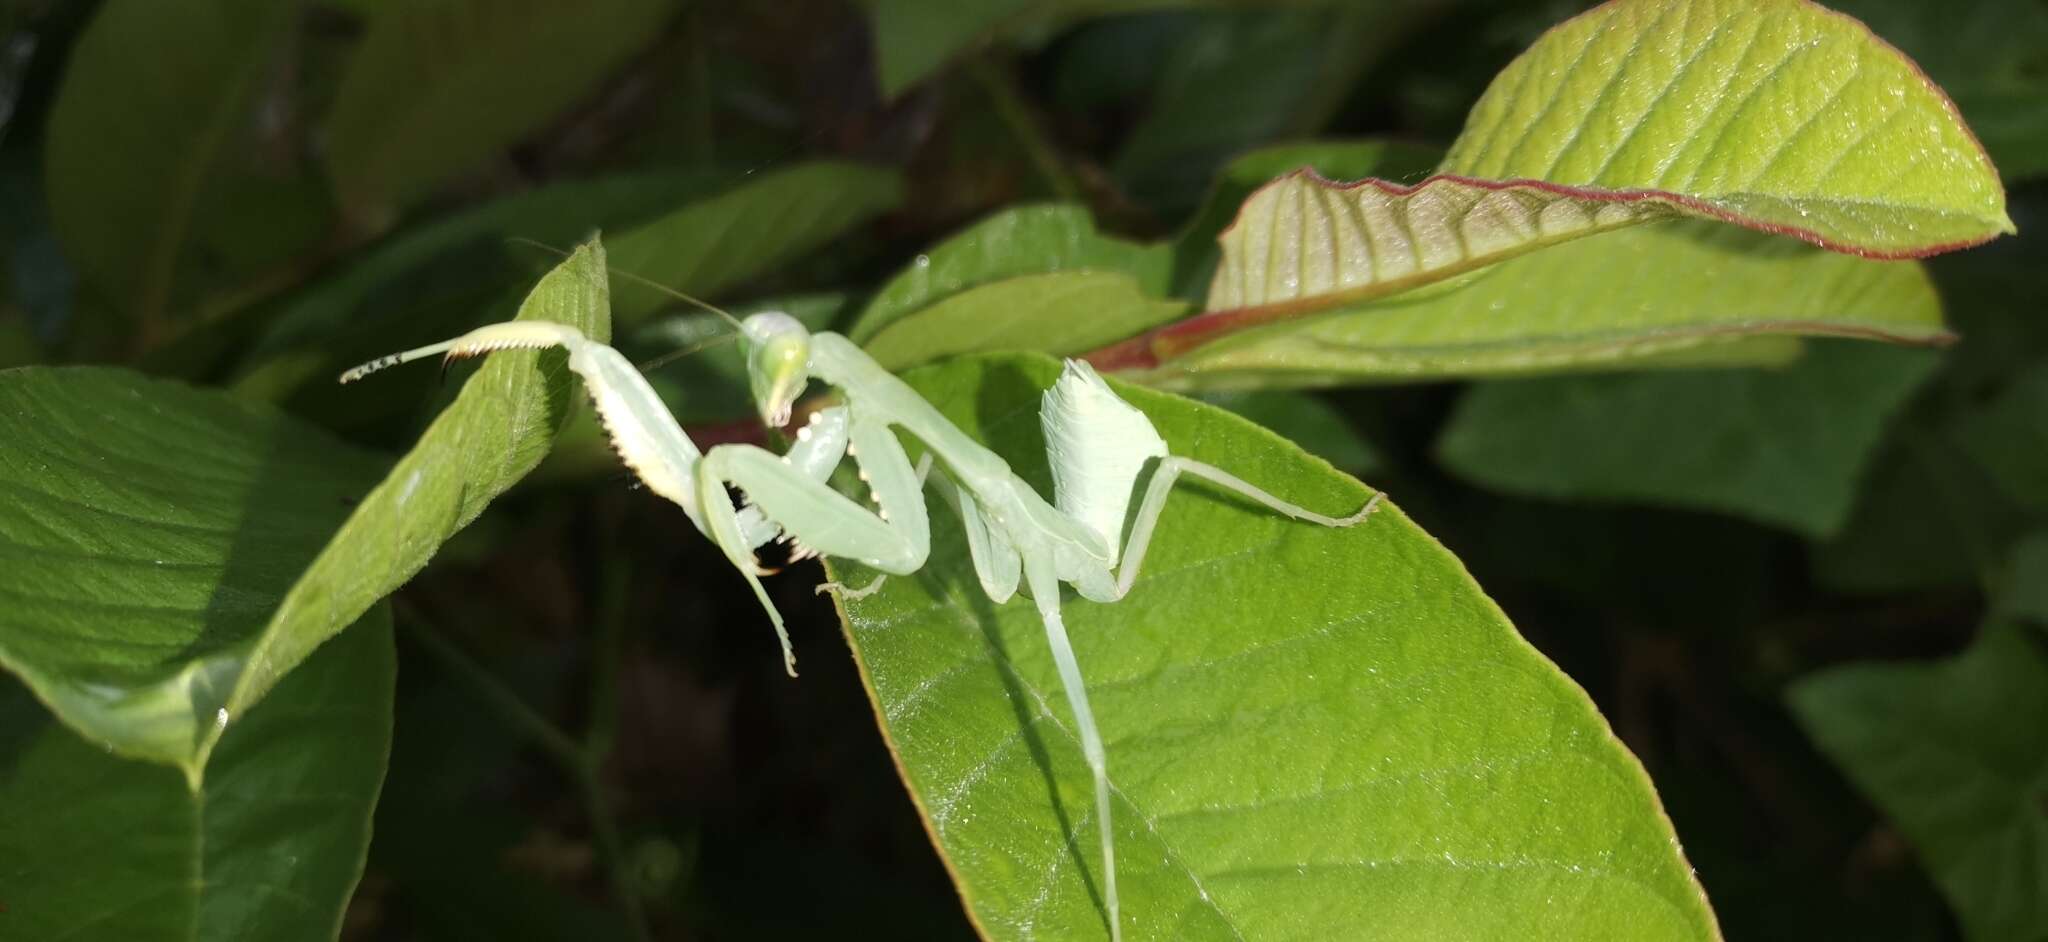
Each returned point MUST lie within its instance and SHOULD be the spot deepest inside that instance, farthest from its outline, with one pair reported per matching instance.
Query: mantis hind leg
(1170, 469)
(1045, 592)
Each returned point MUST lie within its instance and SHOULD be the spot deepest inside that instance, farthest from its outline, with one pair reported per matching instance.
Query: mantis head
(778, 363)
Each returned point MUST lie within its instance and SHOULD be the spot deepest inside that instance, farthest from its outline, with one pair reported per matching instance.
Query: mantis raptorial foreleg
(1099, 446)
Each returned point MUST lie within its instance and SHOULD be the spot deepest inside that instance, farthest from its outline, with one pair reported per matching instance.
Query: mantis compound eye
(778, 363)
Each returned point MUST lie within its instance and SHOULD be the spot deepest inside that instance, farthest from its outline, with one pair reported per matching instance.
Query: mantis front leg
(894, 538)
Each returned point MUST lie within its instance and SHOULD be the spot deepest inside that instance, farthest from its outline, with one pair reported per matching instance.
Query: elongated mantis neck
(836, 361)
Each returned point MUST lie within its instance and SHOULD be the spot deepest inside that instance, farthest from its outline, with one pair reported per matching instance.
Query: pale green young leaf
(1303, 242)
(95, 847)
(1025, 240)
(1057, 313)
(1778, 114)
(172, 553)
(1312, 733)
(1956, 755)
(1783, 447)
(1196, 248)
(1635, 112)
(438, 86)
(1668, 290)
(1988, 55)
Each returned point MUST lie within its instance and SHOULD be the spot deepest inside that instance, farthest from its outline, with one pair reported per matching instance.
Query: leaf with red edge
(1635, 112)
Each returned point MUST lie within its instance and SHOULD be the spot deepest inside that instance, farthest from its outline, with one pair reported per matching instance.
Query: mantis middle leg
(1164, 477)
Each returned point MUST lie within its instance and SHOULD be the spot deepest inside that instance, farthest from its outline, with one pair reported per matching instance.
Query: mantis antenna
(646, 282)
(639, 279)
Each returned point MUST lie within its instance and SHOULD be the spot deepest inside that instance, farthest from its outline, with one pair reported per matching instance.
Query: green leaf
(1635, 112)
(709, 245)
(154, 100)
(1305, 243)
(1235, 80)
(1669, 289)
(438, 87)
(1955, 753)
(96, 847)
(1778, 114)
(1926, 517)
(1058, 313)
(913, 38)
(2009, 438)
(1312, 732)
(1025, 240)
(1781, 447)
(166, 568)
(1196, 248)
(1988, 56)
(2026, 582)
(1306, 419)
(405, 291)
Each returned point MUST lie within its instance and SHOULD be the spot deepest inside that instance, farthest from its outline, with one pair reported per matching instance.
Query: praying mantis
(1099, 446)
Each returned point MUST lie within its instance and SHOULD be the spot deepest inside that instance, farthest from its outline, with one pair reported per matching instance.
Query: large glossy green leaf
(1674, 287)
(164, 546)
(440, 85)
(154, 99)
(1956, 754)
(1312, 733)
(1784, 447)
(1780, 114)
(1058, 313)
(94, 847)
(708, 245)
(1025, 240)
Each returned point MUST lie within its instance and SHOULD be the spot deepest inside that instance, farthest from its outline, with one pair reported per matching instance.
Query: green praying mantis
(1099, 446)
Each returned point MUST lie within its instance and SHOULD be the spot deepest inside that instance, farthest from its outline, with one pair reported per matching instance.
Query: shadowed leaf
(167, 568)
(1956, 755)
(96, 847)
(1784, 447)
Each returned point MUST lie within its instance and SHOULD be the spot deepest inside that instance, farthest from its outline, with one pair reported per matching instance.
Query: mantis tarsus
(1098, 444)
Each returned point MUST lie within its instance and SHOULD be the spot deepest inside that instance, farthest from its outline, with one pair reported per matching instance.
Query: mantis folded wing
(1099, 446)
